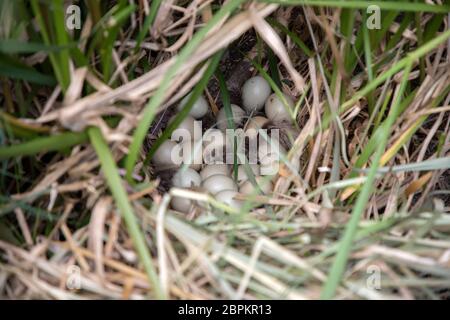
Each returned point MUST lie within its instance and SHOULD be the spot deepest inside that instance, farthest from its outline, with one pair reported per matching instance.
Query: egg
(276, 110)
(270, 146)
(238, 117)
(199, 108)
(242, 174)
(216, 183)
(254, 125)
(188, 129)
(214, 142)
(256, 122)
(163, 156)
(186, 178)
(181, 204)
(191, 153)
(212, 169)
(290, 134)
(227, 197)
(269, 165)
(214, 136)
(255, 92)
(247, 187)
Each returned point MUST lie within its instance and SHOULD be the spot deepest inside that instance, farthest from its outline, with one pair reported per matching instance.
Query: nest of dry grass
(63, 235)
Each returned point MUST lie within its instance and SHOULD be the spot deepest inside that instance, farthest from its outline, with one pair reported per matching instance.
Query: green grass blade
(347, 23)
(294, 37)
(432, 27)
(273, 67)
(148, 22)
(110, 33)
(62, 38)
(43, 144)
(16, 46)
(56, 64)
(23, 72)
(368, 57)
(395, 38)
(120, 195)
(225, 95)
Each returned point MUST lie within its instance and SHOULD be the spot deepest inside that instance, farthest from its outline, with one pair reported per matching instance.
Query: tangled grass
(364, 216)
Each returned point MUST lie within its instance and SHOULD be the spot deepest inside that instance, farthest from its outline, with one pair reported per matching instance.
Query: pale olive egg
(186, 178)
(227, 197)
(269, 165)
(290, 133)
(163, 156)
(214, 146)
(270, 146)
(238, 117)
(255, 92)
(276, 110)
(242, 174)
(256, 122)
(264, 184)
(199, 108)
(188, 129)
(181, 204)
(191, 153)
(254, 125)
(213, 136)
(216, 183)
(212, 169)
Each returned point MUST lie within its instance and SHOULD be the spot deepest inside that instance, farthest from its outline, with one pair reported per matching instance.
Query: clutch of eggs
(217, 177)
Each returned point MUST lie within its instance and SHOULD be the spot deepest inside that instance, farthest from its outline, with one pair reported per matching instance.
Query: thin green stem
(148, 22)
(420, 52)
(337, 269)
(115, 184)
